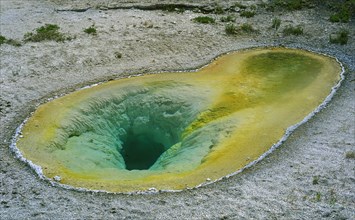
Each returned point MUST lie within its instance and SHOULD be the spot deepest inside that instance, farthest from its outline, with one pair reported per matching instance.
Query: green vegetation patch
(315, 180)
(239, 5)
(12, 42)
(292, 4)
(350, 155)
(91, 30)
(204, 20)
(317, 197)
(2, 39)
(247, 14)
(48, 32)
(228, 18)
(341, 16)
(276, 22)
(343, 11)
(231, 29)
(291, 30)
(169, 8)
(219, 10)
(247, 28)
(340, 37)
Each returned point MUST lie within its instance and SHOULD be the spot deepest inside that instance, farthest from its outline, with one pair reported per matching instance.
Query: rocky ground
(311, 176)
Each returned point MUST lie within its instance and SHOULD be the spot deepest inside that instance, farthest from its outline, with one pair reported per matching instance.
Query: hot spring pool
(172, 131)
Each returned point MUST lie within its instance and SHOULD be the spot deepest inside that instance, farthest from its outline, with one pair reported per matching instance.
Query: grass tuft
(247, 14)
(46, 32)
(228, 18)
(293, 5)
(350, 155)
(91, 30)
(239, 5)
(317, 197)
(218, 10)
(247, 28)
(276, 22)
(340, 37)
(12, 42)
(204, 20)
(315, 180)
(341, 16)
(169, 8)
(343, 11)
(2, 39)
(290, 30)
(230, 29)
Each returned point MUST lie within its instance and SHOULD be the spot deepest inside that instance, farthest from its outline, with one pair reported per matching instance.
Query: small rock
(148, 24)
(152, 190)
(36, 192)
(326, 214)
(57, 178)
(333, 36)
(104, 8)
(118, 55)
(208, 8)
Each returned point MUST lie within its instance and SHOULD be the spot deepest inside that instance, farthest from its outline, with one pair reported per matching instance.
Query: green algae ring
(172, 131)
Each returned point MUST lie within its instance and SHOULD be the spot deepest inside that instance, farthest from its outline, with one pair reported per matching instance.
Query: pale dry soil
(308, 177)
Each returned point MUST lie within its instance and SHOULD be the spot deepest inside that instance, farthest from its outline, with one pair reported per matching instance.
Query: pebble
(57, 178)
